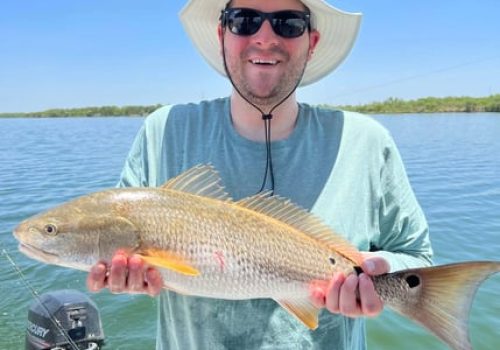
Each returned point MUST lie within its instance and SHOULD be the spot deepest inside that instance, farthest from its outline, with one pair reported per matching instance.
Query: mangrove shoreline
(389, 106)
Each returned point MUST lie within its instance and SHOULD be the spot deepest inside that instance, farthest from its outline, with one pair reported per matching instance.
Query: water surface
(453, 162)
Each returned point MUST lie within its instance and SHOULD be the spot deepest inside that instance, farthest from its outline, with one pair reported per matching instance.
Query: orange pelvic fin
(168, 260)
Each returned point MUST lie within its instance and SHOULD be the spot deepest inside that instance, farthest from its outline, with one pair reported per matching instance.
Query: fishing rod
(416, 76)
(35, 294)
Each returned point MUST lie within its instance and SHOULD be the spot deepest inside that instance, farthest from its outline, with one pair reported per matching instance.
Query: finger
(96, 279)
(318, 298)
(135, 278)
(117, 279)
(333, 294)
(371, 305)
(375, 265)
(317, 293)
(154, 282)
(348, 301)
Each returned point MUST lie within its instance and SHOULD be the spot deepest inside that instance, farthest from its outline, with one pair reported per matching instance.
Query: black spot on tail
(413, 281)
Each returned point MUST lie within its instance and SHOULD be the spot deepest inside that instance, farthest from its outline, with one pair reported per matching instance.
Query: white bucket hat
(338, 31)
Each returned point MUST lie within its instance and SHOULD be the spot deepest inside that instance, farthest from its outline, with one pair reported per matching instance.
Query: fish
(206, 244)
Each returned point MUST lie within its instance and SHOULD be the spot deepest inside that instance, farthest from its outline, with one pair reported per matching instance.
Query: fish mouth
(37, 253)
(50, 258)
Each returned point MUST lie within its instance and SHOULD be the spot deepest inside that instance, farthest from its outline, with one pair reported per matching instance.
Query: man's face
(264, 66)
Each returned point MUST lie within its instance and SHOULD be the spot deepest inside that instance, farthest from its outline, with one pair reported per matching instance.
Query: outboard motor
(67, 320)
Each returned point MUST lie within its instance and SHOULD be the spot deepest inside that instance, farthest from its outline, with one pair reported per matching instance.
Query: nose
(265, 36)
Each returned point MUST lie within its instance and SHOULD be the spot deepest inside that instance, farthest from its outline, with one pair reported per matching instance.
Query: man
(343, 167)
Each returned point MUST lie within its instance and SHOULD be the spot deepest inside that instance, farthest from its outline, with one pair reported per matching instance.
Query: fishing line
(35, 294)
(412, 77)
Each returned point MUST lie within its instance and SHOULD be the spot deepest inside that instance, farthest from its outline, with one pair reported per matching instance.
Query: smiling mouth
(263, 62)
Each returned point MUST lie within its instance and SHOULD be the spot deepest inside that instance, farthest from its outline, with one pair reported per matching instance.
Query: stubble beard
(272, 94)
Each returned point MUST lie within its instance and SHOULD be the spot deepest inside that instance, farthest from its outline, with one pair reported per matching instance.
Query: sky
(79, 53)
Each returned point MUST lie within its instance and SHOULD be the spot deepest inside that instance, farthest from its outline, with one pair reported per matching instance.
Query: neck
(247, 120)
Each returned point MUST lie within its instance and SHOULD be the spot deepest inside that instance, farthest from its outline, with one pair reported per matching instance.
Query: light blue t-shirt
(342, 166)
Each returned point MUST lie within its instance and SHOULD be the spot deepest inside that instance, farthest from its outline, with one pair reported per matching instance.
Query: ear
(220, 33)
(314, 38)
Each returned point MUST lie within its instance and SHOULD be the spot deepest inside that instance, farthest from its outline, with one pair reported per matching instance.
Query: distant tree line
(391, 105)
(430, 105)
(106, 111)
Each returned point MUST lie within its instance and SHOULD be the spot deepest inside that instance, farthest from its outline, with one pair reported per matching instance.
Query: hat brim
(338, 30)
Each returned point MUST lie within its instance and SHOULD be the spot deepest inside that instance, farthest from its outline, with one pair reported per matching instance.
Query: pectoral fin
(168, 260)
(303, 310)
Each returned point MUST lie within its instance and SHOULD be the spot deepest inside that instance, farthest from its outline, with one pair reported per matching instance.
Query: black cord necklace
(266, 117)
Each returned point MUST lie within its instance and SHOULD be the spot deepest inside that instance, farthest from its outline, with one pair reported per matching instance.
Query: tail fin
(438, 297)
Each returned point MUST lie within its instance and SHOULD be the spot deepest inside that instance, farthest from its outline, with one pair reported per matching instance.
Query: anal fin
(303, 310)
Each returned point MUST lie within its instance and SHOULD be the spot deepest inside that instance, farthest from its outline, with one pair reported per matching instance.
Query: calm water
(453, 162)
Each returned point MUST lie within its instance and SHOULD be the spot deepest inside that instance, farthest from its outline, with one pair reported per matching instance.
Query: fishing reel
(64, 320)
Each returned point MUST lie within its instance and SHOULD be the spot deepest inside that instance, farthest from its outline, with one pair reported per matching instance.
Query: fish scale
(250, 269)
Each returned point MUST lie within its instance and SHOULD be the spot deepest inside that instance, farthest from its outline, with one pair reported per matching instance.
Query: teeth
(260, 61)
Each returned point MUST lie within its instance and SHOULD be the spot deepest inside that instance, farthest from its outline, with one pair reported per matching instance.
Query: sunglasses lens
(289, 24)
(243, 21)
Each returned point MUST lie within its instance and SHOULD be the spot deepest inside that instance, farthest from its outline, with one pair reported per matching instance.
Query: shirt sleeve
(404, 233)
(143, 166)
(133, 173)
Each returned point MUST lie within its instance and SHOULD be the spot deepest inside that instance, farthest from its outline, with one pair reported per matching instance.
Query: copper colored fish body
(206, 244)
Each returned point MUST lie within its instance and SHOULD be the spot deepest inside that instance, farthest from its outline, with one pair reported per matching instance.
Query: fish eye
(50, 229)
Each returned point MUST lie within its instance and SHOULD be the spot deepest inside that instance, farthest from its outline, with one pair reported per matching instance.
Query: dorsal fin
(284, 210)
(202, 180)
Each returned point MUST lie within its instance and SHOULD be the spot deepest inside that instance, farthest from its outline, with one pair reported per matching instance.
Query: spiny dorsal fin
(202, 180)
(284, 210)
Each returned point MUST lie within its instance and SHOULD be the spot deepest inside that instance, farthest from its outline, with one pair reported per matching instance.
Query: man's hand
(125, 275)
(339, 294)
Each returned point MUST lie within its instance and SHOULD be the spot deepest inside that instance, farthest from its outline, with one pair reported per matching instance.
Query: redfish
(208, 245)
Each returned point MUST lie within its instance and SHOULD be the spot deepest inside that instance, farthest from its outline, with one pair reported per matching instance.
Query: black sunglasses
(246, 21)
